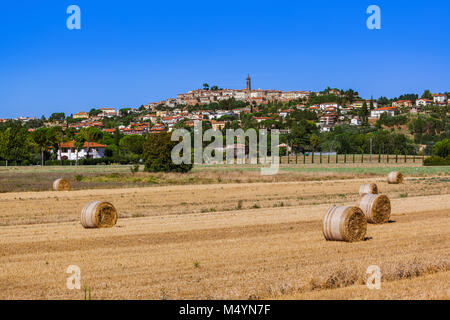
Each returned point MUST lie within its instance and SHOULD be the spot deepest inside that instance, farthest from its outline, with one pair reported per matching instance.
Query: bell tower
(249, 83)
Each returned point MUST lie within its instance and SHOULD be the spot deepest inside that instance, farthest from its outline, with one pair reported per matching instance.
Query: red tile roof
(71, 144)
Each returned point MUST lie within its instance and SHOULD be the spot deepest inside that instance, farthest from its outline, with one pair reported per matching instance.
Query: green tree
(79, 143)
(314, 141)
(133, 143)
(427, 95)
(57, 116)
(117, 136)
(364, 114)
(442, 148)
(55, 136)
(91, 134)
(15, 143)
(157, 154)
(40, 138)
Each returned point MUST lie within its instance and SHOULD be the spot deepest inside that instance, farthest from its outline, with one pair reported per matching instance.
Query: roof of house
(385, 109)
(71, 144)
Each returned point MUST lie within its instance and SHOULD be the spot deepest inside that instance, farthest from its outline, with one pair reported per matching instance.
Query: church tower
(249, 83)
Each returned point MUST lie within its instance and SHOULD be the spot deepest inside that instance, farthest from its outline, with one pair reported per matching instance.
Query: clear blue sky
(133, 52)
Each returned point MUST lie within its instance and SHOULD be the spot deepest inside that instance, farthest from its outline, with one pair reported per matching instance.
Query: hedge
(93, 162)
(437, 161)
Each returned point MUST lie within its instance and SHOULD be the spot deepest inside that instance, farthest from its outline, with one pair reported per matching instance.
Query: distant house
(107, 112)
(217, 125)
(423, 102)
(260, 119)
(355, 122)
(357, 104)
(402, 103)
(326, 105)
(439, 98)
(91, 150)
(81, 115)
(328, 120)
(376, 113)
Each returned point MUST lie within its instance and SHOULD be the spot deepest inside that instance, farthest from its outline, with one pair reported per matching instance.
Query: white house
(423, 102)
(439, 98)
(329, 105)
(376, 113)
(90, 150)
(355, 122)
(107, 112)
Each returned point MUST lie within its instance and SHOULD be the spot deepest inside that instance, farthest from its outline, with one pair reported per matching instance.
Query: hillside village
(246, 108)
(164, 115)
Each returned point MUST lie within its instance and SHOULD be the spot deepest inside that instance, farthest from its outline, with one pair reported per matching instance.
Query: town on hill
(330, 120)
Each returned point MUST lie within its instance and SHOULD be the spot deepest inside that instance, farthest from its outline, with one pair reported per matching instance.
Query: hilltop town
(218, 106)
(331, 119)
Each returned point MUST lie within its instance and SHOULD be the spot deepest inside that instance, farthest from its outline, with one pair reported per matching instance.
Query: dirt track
(180, 252)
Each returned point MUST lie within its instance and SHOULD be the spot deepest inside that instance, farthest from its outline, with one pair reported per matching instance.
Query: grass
(17, 179)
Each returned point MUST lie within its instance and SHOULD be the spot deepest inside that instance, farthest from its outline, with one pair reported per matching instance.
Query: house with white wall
(439, 98)
(423, 102)
(376, 113)
(91, 150)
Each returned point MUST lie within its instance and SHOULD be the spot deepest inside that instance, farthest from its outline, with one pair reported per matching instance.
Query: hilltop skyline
(129, 55)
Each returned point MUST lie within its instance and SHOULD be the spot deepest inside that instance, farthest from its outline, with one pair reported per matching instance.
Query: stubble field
(256, 238)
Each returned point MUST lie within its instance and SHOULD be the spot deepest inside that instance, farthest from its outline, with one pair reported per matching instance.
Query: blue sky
(133, 52)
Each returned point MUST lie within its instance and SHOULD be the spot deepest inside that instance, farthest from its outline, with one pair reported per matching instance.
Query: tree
(79, 143)
(314, 141)
(418, 127)
(117, 136)
(301, 132)
(442, 148)
(427, 95)
(55, 136)
(157, 154)
(91, 134)
(133, 143)
(364, 114)
(40, 138)
(15, 143)
(205, 86)
(94, 112)
(57, 116)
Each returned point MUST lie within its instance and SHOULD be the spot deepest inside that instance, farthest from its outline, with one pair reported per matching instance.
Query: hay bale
(344, 224)
(98, 214)
(61, 185)
(395, 177)
(376, 207)
(370, 188)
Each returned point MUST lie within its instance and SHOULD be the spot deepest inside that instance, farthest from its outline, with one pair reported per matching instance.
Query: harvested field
(21, 179)
(230, 241)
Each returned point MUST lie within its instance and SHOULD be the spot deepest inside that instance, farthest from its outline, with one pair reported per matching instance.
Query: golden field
(246, 240)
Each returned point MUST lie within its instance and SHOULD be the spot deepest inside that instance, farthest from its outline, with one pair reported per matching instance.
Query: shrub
(157, 154)
(437, 161)
(442, 148)
(134, 168)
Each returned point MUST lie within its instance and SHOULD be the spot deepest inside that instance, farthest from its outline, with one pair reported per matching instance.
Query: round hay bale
(395, 177)
(61, 185)
(344, 224)
(98, 214)
(371, 188)
(376, 207)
